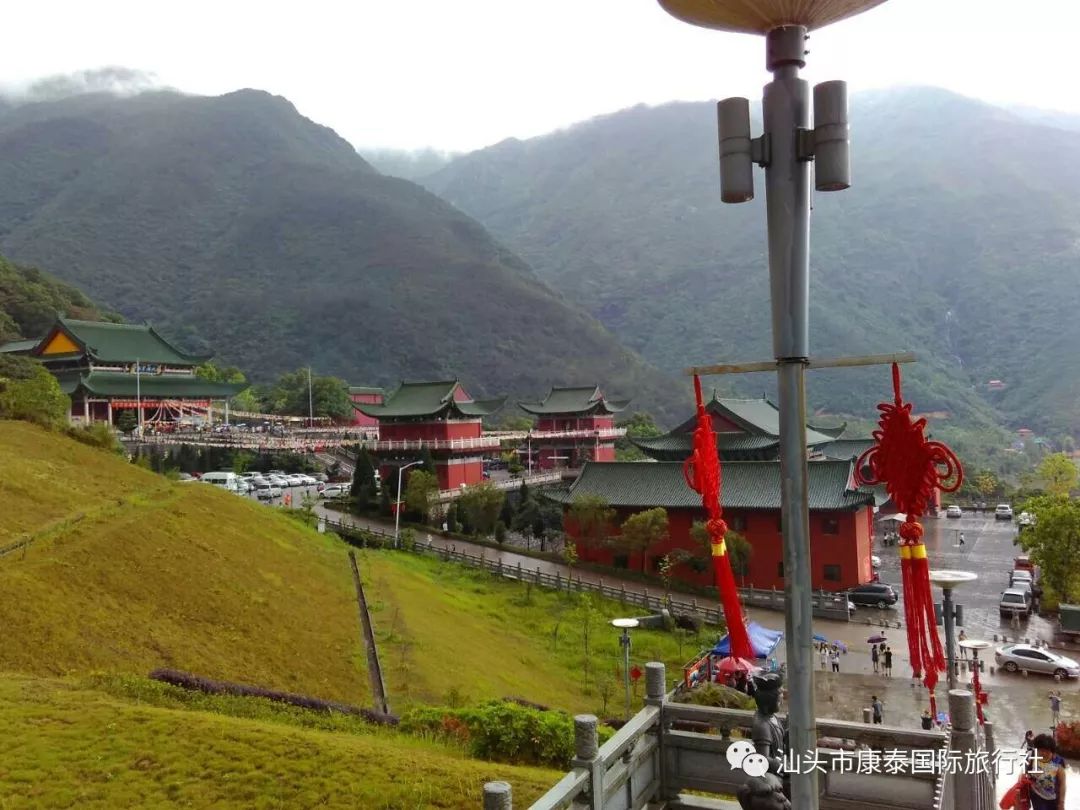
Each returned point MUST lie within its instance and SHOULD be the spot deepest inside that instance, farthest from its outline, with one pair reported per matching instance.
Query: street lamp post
(975, 645)
(626, 625)
(951, 614)
(397, 501)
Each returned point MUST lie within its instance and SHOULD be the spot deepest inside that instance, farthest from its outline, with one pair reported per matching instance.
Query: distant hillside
(31, 299)
(236, 225)
(955, 241)
(410, 165)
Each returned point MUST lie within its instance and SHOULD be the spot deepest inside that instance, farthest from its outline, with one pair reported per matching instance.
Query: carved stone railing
(669, 748)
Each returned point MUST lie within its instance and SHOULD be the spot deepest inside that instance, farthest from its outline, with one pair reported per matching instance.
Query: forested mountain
(238, 226)
(30, 301)
(960, 239)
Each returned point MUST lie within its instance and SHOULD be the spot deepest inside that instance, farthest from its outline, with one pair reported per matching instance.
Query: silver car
(1015, 657)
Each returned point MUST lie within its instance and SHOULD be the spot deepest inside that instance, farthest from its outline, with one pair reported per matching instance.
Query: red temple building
(841, 518)
(749, 430)
(109, 368)
(439, 417)
(574, 425)
(363, 395)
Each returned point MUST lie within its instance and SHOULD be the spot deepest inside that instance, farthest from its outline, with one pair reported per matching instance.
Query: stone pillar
(498, 796)
(963, 740)
(655, 683)
(586, 746)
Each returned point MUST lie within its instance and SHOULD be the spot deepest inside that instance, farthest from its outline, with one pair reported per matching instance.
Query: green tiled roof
(757, 416)
(846, 448)
(575, 400)
(19, 346)
(152, 386)
(683, 443)
(746, 485)
(125, 343)
(364, 389)
(429, 399)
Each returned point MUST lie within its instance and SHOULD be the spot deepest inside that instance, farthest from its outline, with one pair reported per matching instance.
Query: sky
(457, 75)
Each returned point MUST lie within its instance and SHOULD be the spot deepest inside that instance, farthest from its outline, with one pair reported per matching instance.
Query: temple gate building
(441, 418)
(574, 425)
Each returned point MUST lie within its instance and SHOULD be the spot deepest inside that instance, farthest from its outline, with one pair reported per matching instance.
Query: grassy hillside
(130, 571)
(172, 755)
(950, 243)
(240, 227)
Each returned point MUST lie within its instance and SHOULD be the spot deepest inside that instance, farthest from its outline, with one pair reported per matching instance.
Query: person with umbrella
(875, 651)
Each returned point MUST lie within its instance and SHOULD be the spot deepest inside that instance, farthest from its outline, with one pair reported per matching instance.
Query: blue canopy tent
(762, 639)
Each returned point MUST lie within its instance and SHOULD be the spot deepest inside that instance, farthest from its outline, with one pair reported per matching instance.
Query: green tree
(1058, 474)
(643, 530)
(30, 393)
(127, 420)
(363, 482)
(1054, 543)
(986, 483)
(427, 461)
(420, 492)
(738, 547)
(640, 425)
(481, 505)
(329, 396)
(591, 517)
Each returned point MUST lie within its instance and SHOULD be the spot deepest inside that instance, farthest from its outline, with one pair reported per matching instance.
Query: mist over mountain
(958, 240)
(238, 226)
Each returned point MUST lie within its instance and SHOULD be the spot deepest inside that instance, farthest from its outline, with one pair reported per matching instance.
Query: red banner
(160, 403)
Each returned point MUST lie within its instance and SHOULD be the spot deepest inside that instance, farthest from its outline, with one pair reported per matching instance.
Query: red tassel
(702, 473)
(911, 469)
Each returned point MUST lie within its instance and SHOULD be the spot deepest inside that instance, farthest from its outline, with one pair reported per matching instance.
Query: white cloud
(457, 75)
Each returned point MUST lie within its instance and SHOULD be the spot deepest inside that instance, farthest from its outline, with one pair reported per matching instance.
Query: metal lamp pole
(398, 501)
(951, 614)
(626, 625)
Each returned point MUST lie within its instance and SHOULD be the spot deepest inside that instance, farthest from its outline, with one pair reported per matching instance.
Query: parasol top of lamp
(761, 16)
(950, 579)
(625, 624)
(975, 644)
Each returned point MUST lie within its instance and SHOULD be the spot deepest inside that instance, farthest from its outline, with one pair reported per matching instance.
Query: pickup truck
(1069, 620)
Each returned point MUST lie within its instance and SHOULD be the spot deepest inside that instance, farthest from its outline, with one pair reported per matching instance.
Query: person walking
(927, 720)
(823, 655)
(834, 659)
(1055, 709)
(888, 662)
(875, 656)
(878, 709)
(1047, 787)
(961, 538)
(963, 650)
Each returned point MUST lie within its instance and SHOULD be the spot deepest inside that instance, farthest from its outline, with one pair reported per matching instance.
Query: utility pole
(310, 400)
(138, 395)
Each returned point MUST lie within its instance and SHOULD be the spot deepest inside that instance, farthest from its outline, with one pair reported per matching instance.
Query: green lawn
(72, 745)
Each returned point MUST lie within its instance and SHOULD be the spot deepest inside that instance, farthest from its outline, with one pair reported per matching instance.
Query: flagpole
(310, 401)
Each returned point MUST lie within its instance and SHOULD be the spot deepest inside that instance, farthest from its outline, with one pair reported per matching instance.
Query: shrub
(101, 436)
(30, 393)
(502, 731)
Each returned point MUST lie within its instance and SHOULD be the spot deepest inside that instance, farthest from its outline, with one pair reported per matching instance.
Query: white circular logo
(738, 751)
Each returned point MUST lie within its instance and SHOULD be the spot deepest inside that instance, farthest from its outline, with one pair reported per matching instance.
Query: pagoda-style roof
(106, 342)
(574, 401)
(431, 399)
(366, 389)
(746, 485)
(150, 386)
(745, 429)
(19, 346)
(845, 448)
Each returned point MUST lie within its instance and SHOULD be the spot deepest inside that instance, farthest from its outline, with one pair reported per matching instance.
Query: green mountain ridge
(957, 240)
(238, 226)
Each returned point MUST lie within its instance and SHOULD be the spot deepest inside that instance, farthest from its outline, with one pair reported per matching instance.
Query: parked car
(1015, 657)
(1025, 521)
(1023, 563)
(225, 480)
(1015, 601)
(278, 480)
(322, 478)
(308, 481)
(878, 594)
(295, 480)
(954, 511)
(335, 491)
(1003, 512)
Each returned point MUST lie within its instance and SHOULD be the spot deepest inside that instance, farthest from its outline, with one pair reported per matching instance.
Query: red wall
(451, 476)
(412, 431)
(849, 548)
(362, 419)
(571, 422)
(578, 453)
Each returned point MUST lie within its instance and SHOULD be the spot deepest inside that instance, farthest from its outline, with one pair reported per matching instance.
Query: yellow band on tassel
(918, 552)
(719, 549)
(905, 552)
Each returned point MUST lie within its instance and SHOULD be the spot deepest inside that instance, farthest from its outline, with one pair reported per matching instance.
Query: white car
(278, 480)
(295, 480)
(308, 481)
(1003, 512)
(954, 511)
(335, 491)
(1014, 657)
